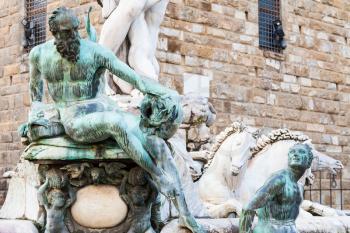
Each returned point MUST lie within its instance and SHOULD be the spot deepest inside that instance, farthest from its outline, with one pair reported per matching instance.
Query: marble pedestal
(91, 188)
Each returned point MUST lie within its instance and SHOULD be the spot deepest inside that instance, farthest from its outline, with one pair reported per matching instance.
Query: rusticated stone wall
(13, 86)
(307, 88)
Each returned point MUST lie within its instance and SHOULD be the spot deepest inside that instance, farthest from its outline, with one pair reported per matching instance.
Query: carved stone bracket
(81, 174)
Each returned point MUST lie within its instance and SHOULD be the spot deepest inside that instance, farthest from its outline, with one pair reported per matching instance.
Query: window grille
(35, 23)
(269, 12)
(329, 190)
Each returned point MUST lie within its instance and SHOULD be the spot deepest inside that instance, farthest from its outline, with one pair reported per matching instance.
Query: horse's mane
(275, 136)
(220, 138)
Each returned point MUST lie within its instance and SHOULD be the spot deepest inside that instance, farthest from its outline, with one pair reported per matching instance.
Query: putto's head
(56, 198)
(300, 156)
(64, 25)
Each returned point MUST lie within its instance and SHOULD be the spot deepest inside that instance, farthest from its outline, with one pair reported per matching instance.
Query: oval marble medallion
(99, 206)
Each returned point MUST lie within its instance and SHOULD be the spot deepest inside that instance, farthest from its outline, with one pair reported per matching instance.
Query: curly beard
(69, 48)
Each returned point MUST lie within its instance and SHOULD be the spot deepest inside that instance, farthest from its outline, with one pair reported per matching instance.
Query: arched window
(35, 23)
(269, 12)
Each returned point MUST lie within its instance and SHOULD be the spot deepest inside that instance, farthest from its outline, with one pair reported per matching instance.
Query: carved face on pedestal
(300, 156)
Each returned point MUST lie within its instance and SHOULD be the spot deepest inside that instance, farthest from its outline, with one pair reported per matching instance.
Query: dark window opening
(269, 12)
(35, 23)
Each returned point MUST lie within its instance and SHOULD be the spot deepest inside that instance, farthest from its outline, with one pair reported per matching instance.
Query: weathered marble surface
(21, 201)
(139, 21)
(228, 225)
(305, 225)
(199, 115)
(323, 224)
(99, 206)
(17, 226)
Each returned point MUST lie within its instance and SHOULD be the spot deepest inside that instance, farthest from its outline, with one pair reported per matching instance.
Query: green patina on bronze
(73, 69)
(277, 202)
(64, 148)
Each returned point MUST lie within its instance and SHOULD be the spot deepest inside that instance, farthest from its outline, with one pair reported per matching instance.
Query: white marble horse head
(240, 152)
(232, 148)
(324, 162)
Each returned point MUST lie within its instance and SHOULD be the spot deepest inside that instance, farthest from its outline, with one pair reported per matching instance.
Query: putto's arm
(36, 85)
(261, 197)
(147, 86)
(41, 193)
(72, 197)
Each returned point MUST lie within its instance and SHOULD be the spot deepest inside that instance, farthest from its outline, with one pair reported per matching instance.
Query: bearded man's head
(64, 25)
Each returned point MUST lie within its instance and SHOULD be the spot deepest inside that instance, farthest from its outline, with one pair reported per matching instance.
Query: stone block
(197, 84)
(6, 137)
(240, 15)
(21, 201)
(257, 96)
(326, 106)
(171, 32)
(251, 29)
(273, 63)
(210, 225)
(271, 99)
(11, 69)
(289, 101)
(17, 226)
(4, 104)
(289, 78)
(315, 127)
(217, 8)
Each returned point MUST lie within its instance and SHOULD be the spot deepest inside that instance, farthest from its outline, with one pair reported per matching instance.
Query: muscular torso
(285, 204)
(66, 81)
(55, 219)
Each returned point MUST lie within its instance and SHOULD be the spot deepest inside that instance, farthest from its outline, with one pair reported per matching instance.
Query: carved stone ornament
(124, 197)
